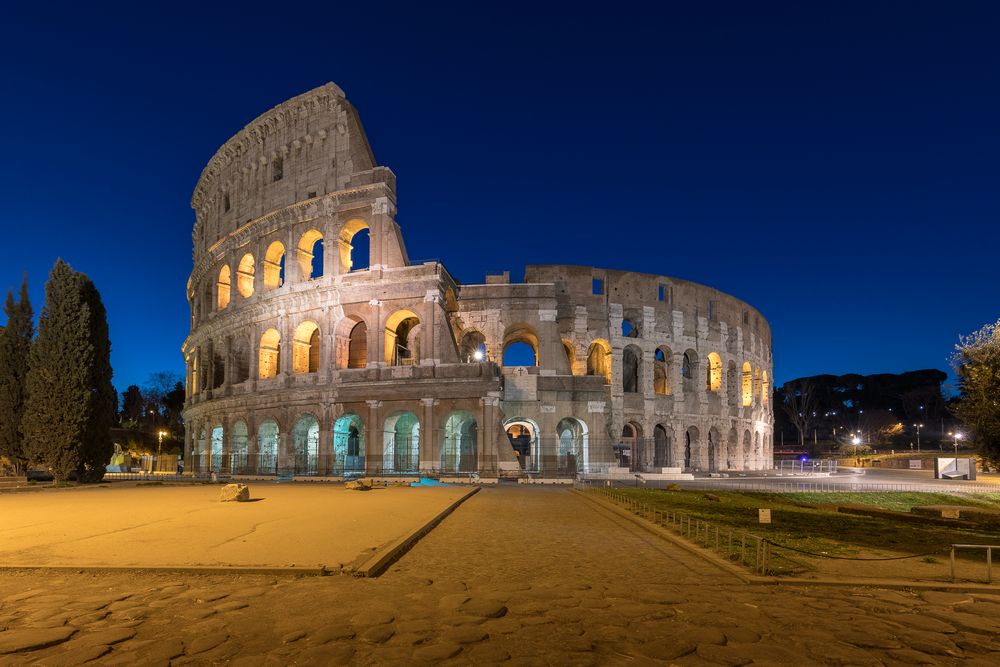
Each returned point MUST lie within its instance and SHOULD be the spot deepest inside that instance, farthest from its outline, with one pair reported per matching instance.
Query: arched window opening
(713, 443)
(629, 329)
(218, 367)
(573, 445)
(472, 348)
(628, 446)
(523, 436)
(630, 370)
(747, 385)
(520, 346)
(267, 447)
(239, 448)
(661, 448)
(216, 455)
(349, 443)
(402, 338)
(401, 443)
(194, 373)
(599, 360)
(305, 348)
(355, 250)
(305, 445)
(765, 388)
(224, 287)
(310, 255)
(661, 371)
(570, 354)
(357, 347)
(687, 366)
(458, 451)
(270, 354)
(690, 444)
(244, 276)
(732, 450)
(241, 361)
(756, 384)
(713, 379)
(274, 266)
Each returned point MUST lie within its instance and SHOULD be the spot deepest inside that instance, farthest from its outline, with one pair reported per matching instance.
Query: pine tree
(97, 446)
(977, 364)
(58, 382)
(15, 347)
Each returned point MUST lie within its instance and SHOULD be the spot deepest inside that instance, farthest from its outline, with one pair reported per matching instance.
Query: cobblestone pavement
(530, 576)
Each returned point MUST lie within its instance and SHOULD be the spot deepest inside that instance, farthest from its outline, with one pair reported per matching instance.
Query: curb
(380, 561)
(745, 577)
(319, 571)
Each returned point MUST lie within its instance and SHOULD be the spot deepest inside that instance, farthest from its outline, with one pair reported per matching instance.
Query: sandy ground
(536, 576)
(287, 524)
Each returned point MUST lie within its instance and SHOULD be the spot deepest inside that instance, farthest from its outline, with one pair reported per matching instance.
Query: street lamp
(918, 435)
(159, 443)
(958, 436)
(857, 441)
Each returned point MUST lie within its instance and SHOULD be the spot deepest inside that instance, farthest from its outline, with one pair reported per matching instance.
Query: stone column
(374, 444)
(284, 345)
(430, 441)
(430, 353)
(293, 273)
(551, 355)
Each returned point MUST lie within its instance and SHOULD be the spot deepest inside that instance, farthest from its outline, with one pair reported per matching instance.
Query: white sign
(763, 516)
(916, 464)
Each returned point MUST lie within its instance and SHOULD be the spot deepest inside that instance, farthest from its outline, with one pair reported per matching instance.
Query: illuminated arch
(765, 388)
(524, 437)
(402, 338)
(244, 276)
(713, 379)
(516, 340)
(458, 446)
(224, 287)
(267, 446)
(570, 354)
(348, 262)
(274, 266)
(239, 447)
(305, 444)
(661, 371)
(631, 362)
(574, 446)
(270, 354)
(747, 384)
(472, 346)
(401, 442)
(305, 348)
(599, 359)
(349, 443)
(309, 249)
(756, 384)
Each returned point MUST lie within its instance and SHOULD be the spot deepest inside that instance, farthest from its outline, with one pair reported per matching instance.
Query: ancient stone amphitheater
(317, 348)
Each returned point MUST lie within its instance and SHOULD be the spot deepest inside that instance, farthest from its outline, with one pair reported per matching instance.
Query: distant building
(310, 356)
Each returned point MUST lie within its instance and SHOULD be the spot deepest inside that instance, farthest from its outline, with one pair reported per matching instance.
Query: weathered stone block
(235, 493)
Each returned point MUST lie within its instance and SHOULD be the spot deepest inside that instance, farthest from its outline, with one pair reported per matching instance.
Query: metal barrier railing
(747, 549)
(989, 558)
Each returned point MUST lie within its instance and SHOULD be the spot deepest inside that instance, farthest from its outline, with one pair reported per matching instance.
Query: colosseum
(318, 348)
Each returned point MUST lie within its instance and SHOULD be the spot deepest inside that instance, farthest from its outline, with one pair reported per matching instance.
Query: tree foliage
(977, 364)
(70, 401)
(798, 400)
(15, 348)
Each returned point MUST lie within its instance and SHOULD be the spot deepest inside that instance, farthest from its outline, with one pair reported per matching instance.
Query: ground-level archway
(458, 447)
(349, 444)
(401, 443)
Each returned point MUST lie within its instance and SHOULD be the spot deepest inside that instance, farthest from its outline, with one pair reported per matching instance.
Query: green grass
(810, 521)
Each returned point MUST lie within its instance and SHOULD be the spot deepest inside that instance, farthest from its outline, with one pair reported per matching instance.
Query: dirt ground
(529, 576)
(286, 524)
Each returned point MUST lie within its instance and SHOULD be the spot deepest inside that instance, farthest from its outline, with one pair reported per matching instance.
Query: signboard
(763, 516)
(916, 464)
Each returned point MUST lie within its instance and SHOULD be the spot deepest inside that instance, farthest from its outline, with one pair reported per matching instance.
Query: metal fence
(790, 466)
(823, 486)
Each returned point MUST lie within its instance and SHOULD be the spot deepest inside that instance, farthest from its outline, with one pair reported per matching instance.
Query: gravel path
(533, 576)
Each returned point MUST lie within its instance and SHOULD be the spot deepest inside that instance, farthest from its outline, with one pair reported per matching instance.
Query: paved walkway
(534, 576)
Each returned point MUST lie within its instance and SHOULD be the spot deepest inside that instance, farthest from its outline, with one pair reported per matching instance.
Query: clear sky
(834, 164)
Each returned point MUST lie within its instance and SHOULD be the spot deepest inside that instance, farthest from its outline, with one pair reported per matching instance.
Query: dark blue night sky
(834, 164)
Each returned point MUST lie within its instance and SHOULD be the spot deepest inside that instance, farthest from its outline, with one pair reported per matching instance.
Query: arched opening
(401, 443)
(523, 436)
(629, 329)
(570, 354)
(573, 445)
(194, 373)
(747, 451)
(627, 448)
(520, 346)
(244, 276)
(355, 246)
(217, 438)
(310, 255)
(690, 446)
(274, 266)
(349, 443)
(732, 450)
(270, 354)
(687, 365)
(357, 346)
(305, 348)
(713, 375)
(713, 445)
(747, 384)
(267, 447)
(305, 445)
(661, 371)
(241, 360)
(239, 448)
(599, 360)
(472, 347)
(756, 384)
(661, 447)
(630, 369)
(731, 380)
(765, 388)
(402, 338)
(458, 450)
(224, 287)
(218, 366)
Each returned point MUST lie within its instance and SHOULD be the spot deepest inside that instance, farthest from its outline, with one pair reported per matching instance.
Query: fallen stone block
(358, 485)
(235, 493)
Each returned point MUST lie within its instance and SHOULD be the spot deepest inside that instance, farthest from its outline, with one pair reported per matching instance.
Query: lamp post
(958, 436)
(857, 441)
(918, 435)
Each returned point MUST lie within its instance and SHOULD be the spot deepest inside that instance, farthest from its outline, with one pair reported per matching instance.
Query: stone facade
(307, 358)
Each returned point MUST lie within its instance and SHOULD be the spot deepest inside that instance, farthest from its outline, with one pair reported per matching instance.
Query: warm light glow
(478, 355)
(856, 441)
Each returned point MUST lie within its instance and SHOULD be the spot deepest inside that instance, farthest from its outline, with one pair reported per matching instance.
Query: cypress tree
(15, 347)
(97, 446)
(58, 383)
